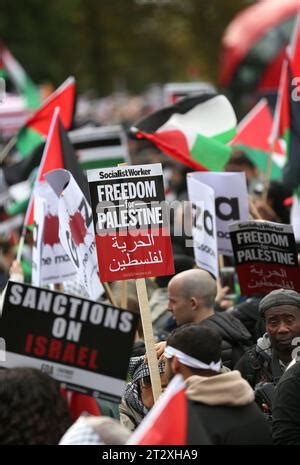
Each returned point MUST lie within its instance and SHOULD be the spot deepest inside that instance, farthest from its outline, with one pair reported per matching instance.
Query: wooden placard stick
(110, 294)
(124, 293)
(267, 176)
(221, 261)
(148, 337)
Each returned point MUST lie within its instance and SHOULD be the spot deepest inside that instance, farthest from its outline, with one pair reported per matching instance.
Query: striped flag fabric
(194, 131)
(36, 128)
(252, 138)
(13, 114)
(58, 153)
(290, 69)
(12, 69)
(100, 147)
(290, 118)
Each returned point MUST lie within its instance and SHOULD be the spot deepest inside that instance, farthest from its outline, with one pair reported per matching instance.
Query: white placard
(51, 263)
(76, 229)
(231, 200)
(203, 225)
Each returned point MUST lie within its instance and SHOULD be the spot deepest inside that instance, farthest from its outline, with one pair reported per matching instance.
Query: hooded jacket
(236, 339)
(224, 404)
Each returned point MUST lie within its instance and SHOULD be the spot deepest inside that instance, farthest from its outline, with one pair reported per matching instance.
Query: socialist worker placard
(131, 221)
(265, 256)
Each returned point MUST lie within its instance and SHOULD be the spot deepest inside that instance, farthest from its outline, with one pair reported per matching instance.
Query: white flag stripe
(210, 118)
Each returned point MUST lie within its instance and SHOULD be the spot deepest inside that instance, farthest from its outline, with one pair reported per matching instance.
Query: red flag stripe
(63, 97)
(173, 143)
(52, 159)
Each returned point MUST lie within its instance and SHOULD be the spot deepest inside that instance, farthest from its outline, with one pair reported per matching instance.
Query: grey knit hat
(279, 297)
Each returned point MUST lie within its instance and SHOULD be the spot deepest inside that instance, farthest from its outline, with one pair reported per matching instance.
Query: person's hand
(160, 348)
(16, 272)
(254, 213)
(261, 210)
(221, 297)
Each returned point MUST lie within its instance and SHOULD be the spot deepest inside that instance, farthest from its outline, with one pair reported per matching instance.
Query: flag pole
(21, 246)
(10, 144)
(267, 176)
(253, 210)
(274, 132)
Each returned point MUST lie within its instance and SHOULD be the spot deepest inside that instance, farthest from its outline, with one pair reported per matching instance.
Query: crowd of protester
(234, 355)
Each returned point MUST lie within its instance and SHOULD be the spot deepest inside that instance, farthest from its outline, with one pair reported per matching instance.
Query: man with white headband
(223, 402)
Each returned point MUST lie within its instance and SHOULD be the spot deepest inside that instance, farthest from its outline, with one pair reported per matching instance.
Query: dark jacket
(286, 408)
(231, 426)
(224, 404)
(260, 364)
(235, 337)
(248, 313)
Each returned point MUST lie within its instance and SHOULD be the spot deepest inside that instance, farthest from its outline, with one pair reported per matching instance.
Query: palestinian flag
(21, 171)
(282, 123)
(36, 128)
(290, 69)
(171, 421)
(11, 68)
(100, 147)
(291, 115)
(13, 114)
(194, 131)
(252, 138)
(287, 112)
(293, 50)
(58, 153)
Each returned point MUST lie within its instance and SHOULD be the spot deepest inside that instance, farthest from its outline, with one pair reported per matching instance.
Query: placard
(231, 200)
(203, 225)
(131, 222)
(83, 344)
(265, 255)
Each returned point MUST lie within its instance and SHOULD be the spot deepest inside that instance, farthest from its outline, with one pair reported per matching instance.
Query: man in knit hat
(267, 361)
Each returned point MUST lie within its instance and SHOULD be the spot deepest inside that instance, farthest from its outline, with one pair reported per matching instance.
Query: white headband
(191, 361)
